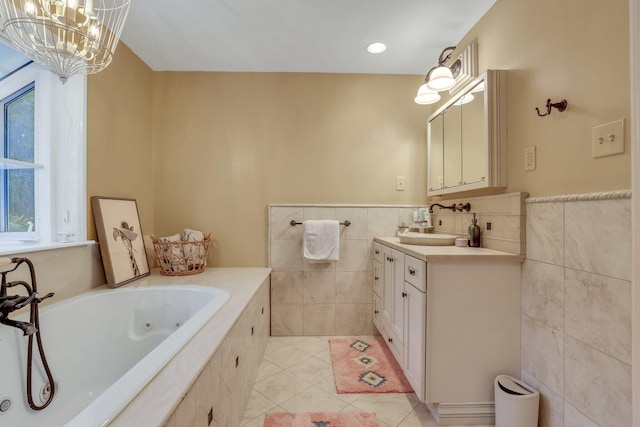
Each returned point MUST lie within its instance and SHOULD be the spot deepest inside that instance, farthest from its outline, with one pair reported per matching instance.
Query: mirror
(465, 137)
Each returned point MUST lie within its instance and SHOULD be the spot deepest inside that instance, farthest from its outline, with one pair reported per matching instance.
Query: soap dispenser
(474, 233)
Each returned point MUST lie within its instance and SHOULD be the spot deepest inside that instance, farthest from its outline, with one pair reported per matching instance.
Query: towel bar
(294, 223)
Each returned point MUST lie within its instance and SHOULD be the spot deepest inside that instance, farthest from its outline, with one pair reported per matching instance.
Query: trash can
(516, 403)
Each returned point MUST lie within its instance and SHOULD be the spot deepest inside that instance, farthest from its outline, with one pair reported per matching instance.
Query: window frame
(59, 157)
(4, 172)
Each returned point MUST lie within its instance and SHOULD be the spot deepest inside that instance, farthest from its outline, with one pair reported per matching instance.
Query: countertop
(159, 398)
(449, 253)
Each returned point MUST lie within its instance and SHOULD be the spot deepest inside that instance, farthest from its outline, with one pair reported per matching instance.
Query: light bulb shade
(441, 78)
(67, 36)
(478, 88)
(426, 96)
(465, 99)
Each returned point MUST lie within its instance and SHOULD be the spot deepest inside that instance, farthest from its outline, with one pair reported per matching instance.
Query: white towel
(173, 255)
(192, 252)
(321, 241)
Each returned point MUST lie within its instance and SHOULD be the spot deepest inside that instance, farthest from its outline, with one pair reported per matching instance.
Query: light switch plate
(608, 139)
(400, 183)
(530, 158)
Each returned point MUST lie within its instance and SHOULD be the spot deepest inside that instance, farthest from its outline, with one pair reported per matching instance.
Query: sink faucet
(459, 207)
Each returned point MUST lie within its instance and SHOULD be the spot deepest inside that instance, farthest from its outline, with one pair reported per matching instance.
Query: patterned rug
(321, 419)
(366, 366)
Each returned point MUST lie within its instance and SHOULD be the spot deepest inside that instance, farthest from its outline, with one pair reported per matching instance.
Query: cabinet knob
(404, 295)
(377, 251)
(390, 339)
(376, 278)
(412, 271)
(375, 312)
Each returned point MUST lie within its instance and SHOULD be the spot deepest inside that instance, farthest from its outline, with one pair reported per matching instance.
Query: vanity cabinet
(467, 138)
(393, 300)
(460, 323)
(401, 318)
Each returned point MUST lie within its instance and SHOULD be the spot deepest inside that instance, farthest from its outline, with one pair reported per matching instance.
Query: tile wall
(336, 298)
(332, 298)
(505, 213)
(576, 308)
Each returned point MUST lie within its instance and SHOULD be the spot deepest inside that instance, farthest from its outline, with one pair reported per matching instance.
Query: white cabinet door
(397, 305)
(377, 278)
(387, 285)
(396, 315)
(377, 312)
(415, 308)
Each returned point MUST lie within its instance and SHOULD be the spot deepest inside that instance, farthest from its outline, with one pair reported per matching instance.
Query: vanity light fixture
(439, 78)
(376, 47)
(426, 96)
(67, 36)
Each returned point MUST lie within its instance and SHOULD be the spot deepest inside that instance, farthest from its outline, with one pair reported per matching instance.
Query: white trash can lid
(508, 385)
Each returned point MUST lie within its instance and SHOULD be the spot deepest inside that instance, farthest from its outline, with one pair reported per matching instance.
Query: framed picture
(121, 240)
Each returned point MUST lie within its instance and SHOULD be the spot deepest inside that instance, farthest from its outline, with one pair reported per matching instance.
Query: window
(42, 157)
(17, 184)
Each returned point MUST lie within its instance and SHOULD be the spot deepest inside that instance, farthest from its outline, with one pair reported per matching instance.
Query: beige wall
(211, 150)
(119, 128)
(575, 50)
(227, 144)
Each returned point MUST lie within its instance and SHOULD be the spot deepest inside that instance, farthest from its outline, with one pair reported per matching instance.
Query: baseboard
(455, 414)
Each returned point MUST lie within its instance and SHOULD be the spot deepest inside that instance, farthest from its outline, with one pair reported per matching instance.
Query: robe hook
(560, 106)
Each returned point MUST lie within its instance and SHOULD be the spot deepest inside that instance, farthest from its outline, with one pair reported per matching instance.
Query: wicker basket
(181, 258)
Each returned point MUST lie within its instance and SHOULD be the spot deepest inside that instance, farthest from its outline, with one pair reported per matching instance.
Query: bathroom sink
(427, 239)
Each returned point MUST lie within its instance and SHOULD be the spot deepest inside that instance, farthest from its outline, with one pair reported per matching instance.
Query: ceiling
(327, 36)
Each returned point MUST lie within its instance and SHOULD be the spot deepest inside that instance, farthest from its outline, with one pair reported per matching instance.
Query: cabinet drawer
(415, 272)
(377, 252)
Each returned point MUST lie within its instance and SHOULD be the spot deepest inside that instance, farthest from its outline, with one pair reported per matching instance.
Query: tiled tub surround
(336, 298)
(216, 370)
(576, 308)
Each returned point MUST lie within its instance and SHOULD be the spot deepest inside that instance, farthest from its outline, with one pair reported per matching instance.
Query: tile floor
(296, 376)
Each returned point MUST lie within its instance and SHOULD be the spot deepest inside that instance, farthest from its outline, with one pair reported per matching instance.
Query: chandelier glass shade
(67, 36)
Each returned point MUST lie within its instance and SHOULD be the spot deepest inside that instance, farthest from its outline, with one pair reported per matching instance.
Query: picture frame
(121, 239)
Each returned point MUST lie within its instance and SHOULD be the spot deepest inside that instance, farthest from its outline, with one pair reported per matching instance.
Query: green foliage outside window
(19, 186)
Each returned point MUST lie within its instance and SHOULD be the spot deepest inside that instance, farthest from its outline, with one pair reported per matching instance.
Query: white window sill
(10, 248)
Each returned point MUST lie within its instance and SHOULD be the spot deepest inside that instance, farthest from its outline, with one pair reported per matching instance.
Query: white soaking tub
(103, 347)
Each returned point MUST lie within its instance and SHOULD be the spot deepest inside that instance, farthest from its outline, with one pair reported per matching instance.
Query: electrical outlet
(608, 139)
(400, 183)
(530, 158)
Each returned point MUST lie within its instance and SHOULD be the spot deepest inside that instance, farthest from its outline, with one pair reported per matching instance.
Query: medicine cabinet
(467, 138)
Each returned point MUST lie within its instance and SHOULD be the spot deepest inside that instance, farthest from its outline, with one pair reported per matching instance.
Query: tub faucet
(10, 303)
(13, 303)
(26, 327)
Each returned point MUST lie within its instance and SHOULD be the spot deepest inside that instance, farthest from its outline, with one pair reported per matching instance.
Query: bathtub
(103, 348)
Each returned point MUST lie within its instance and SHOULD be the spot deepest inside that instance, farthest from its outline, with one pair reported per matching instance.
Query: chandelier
(67, 36)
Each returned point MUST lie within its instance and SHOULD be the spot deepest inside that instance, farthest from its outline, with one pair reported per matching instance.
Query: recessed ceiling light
(376, 47)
